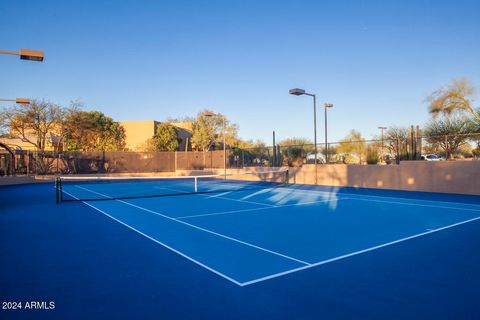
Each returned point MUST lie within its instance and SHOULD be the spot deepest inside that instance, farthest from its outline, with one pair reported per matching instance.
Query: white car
(431, 157)
(310, 159)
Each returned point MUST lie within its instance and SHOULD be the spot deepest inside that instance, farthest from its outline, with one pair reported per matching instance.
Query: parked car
(431, 157)
(310, 159)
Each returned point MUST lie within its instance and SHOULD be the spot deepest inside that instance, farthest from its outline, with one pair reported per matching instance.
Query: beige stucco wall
(462, 177)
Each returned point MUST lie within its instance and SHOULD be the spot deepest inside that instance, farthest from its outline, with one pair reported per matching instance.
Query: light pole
(327, 105)
(26, 54)
(382, 128)
(211, 114)
(299, 92)
(17, 100)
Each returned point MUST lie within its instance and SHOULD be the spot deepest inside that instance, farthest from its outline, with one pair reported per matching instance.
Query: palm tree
(453, 98)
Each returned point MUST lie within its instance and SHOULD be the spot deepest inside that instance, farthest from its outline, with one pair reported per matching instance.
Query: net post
(60, 189)
(286, 178)
(57, 198)
(196, 184)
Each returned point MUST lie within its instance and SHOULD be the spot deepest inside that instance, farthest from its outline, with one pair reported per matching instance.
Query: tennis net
(93, 188)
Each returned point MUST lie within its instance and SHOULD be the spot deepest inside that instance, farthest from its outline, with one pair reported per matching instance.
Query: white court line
(203, 229)
(161, 243)
(356, 253)
(416, 204)
(220, 197)
(256, 209)
(364, 198)
(223, 212)
(246, 201)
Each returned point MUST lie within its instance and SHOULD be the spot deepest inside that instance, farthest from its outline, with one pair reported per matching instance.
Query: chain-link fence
(386, 151)
(254, 157)
(97, 162)
(381, 151)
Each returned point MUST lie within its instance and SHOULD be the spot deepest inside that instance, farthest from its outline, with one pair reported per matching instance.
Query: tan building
(19, 144)
(139, 132)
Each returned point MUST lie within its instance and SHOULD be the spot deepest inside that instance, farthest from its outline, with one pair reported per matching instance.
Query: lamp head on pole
(208, 114)
(33, 55)
(328, 105)
(22, 101)
(296, 91)
(17, 100)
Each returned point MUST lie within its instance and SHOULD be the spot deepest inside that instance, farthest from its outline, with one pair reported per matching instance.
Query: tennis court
(221, 247)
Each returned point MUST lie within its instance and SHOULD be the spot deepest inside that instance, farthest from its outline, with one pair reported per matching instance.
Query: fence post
(175, 161)
(28, 163)
(419, 143)
(56, 190)
(274, 152)
(397, 158)
(413, 144)
(204, 161)
(58, 160)
(274, 156)
(447, 153)
(279, 156)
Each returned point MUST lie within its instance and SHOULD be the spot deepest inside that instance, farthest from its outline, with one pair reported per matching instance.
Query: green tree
(457, 97)
(208, 131)
(166, 138)
(93, 131)
(295, 149)
(296, 141)
(255, 152)
(203, 132)
(448, 133)
(353, 147)
(373, 155)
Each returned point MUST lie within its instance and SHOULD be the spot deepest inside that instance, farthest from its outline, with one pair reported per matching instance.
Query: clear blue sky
(135, 60)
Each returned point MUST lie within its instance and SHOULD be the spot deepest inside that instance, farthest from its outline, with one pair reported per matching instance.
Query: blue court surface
(300, 252)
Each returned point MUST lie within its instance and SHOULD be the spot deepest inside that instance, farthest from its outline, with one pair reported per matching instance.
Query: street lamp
(27, 54)
(211, 114)
(327, 105)
(17, 100)
(299, 92)
(382, 128)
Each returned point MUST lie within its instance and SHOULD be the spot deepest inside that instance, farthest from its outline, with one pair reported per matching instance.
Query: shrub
(372, 156)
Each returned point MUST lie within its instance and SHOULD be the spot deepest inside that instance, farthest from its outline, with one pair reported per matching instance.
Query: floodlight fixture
(27, 54)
